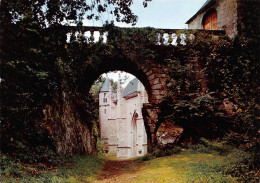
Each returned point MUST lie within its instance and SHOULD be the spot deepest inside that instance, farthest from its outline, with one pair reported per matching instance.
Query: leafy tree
(96, 87)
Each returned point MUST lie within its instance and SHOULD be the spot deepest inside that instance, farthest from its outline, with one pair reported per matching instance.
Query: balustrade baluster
(101, 36)
(105, 34)
(183, 38)
(166, 38)
(68, 37)
(77, 36)
(163, 36)
(174, 39)
(158, 39)
(92, 38)
(87, 35)
(96, 36)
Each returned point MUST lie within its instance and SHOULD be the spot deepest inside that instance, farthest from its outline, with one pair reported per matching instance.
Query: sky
(171, 14)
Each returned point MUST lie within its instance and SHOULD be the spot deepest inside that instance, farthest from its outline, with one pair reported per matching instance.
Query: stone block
(155, 81)
(151, 77)
(145, 69)
(156, 87)
(159, 92)
(149, 73)
(156, 70)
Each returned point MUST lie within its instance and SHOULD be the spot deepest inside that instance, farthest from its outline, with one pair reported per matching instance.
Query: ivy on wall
(38, 65)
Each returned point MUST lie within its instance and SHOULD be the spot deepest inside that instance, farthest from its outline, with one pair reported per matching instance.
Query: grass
(185, 167)
(210, 162)
(71, 170)
(82, 169)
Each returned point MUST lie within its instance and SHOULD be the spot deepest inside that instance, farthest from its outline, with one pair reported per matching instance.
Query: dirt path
(118, 171)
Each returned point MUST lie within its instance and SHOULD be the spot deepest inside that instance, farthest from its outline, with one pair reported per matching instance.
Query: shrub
(232, 162)
(146, 157)
(167, 151)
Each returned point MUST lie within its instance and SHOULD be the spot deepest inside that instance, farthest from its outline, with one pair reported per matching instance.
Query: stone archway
(152, 75)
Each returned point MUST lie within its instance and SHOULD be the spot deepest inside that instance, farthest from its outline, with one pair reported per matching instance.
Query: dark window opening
(105, 100)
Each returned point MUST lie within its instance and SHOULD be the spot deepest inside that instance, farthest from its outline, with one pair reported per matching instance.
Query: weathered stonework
(226, 16)
(152, 73)
(71, 135)
(168, 134)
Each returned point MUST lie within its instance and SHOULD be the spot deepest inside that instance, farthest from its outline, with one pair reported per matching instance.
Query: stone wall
(71, 135)
(227, 17)
(157, 78)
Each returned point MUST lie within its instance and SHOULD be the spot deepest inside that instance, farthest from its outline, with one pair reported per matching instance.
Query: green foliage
(54, 12)
(209, 147)
(146, 157)
(233, 161)
(204, 75)
(187, 166)
(213, 94)
(248, 22)
(9, 167)
(82, 166)
(96, 87)
(79, 168)
(38, 65)
(167, 151)
(199, 115)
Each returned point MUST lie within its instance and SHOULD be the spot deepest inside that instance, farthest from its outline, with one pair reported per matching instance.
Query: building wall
(134, 105)
(227, 17)
(104, 110)
(116, 124)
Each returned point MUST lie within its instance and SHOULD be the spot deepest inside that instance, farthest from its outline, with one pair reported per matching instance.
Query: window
(105, 100)
(105, 111)
(210, 20)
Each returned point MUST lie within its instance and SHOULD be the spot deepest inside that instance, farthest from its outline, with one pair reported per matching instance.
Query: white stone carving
(158, 39)
(105, 34)
(96, 36)
(68, 37)
(87, 35)
(183, 38)
(174, 39)
(166, 39)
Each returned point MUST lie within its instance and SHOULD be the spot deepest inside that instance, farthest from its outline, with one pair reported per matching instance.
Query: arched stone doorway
(154, 78)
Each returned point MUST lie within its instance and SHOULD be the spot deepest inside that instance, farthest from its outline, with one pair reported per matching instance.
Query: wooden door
(214, 20)
(211, 21)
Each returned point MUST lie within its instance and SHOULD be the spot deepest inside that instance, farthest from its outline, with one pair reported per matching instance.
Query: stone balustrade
(165, 37)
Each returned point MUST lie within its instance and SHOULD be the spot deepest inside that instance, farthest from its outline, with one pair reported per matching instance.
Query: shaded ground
(119, 171)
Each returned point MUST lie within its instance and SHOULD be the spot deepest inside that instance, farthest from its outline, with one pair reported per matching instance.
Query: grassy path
(118, 171)
(190, 166)
(180, 168)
